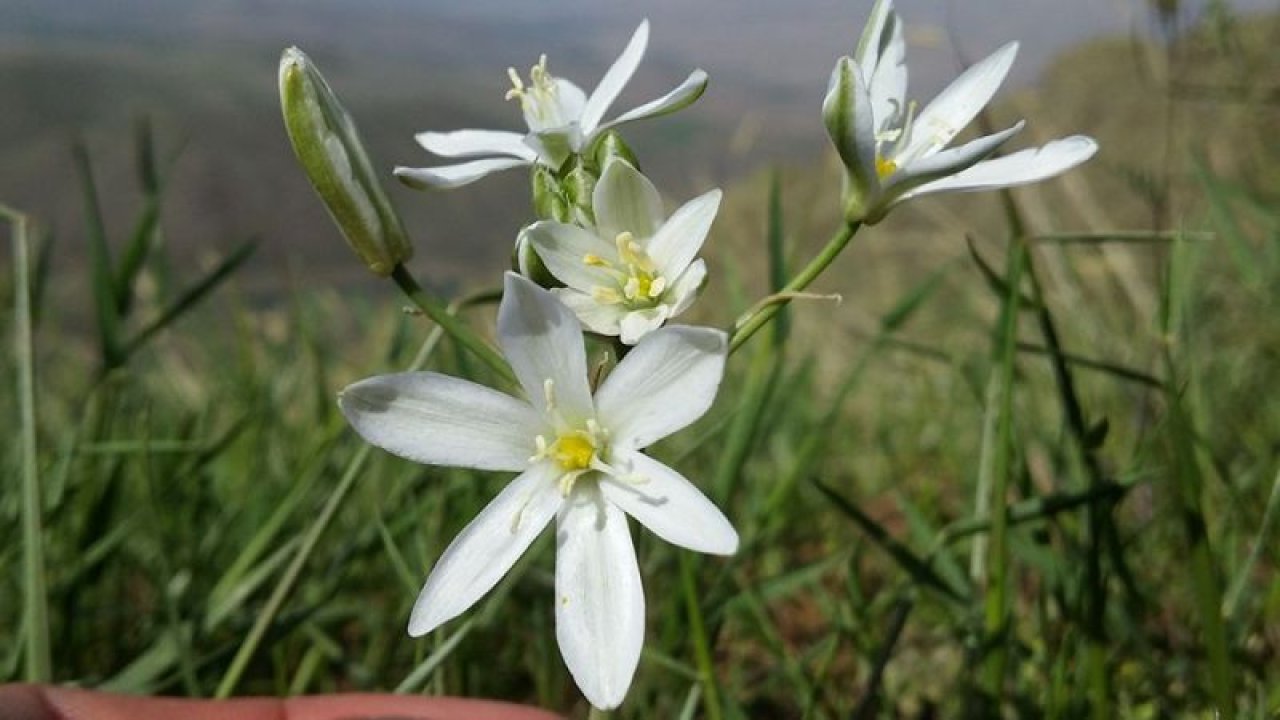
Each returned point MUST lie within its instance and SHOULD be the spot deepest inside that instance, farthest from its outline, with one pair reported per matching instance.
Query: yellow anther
(885, 167)
(595, 261)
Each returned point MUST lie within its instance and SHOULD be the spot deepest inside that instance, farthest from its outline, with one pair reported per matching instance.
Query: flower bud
(328, 147)
(549, 202)
(608, 147)
(525, 260)
(578, 186)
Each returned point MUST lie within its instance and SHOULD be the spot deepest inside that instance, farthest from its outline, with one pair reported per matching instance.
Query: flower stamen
(639, 285)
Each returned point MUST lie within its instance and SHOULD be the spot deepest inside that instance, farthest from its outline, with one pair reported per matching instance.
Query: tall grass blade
(917, 568)
(102, 278)
(191, 296)
(38, 664)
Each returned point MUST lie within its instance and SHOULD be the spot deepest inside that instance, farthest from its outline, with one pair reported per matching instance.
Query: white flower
(579, 461)
(562, 121)
(634, 269)
(892, 154)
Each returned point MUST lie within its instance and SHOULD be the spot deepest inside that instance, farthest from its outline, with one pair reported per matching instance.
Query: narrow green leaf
(913, 565)
(192, 295)
(100, 264)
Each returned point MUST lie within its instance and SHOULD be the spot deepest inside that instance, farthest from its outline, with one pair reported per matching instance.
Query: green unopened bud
(609, 146)
(525, 260)
(578, 186)
(325, 139)
(549, 202)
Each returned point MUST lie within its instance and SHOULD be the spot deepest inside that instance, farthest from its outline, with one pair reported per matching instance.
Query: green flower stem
(36, 631)
(598, 714)
(764, 314)
(439, 314)
(1000, 467)
(698, 634)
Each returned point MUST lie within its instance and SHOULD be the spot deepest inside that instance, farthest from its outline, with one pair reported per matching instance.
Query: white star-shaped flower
(635, 268)
(562, 120)
(891, 153)
(579, 461)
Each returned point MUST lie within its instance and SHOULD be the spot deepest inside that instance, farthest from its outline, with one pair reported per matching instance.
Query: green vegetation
(1036, 474)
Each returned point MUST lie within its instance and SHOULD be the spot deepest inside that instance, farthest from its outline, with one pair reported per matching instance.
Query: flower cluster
(604, 261)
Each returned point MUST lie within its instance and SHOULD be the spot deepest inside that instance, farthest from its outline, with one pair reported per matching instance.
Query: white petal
(957, 105)
(447, 177)
(682, 96)
(686, 287)
(1020, 168)
(615, 79)
(665, 383)
(625, 201)
(563, 110)
(476, 143)
(948, 162)
(594, 316)
(599, 600)
(441, 420)
(638, 323)
(543, 341)
(678, 241)
(564, 247)
(882, 57)
(849, 118)
(670, 506)
(487, 548)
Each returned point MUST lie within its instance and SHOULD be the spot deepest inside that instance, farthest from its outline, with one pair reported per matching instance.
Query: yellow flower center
(885, 167)
(573, 451)
(638, 282)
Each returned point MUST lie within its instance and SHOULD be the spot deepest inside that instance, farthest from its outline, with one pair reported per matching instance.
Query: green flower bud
(328, 147)
(609, 146)
(578, 185)
(549, 202)
(525, 260)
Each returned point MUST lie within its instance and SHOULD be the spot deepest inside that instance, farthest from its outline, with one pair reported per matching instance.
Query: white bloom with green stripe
(562, 119)
(635, 268)
(579, 459)
(892, 153)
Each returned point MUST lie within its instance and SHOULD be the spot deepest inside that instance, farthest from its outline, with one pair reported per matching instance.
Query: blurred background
(204, 74)
(182, 448)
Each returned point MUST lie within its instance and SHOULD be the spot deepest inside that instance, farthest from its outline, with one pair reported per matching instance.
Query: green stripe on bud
(328, 147)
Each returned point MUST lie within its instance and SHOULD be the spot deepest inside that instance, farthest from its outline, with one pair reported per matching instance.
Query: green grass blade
(918, 569)
(1201, 564)
(135, 255)
(100, 265)
(192, 295)
(39, 667)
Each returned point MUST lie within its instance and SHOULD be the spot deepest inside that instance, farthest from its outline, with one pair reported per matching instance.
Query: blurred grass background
(187, 512)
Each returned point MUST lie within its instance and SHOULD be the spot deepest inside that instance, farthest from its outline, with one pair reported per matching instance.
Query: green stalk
(38, 663)
(698, 634)
(808, 274)
(460, 332)
(996, 610)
